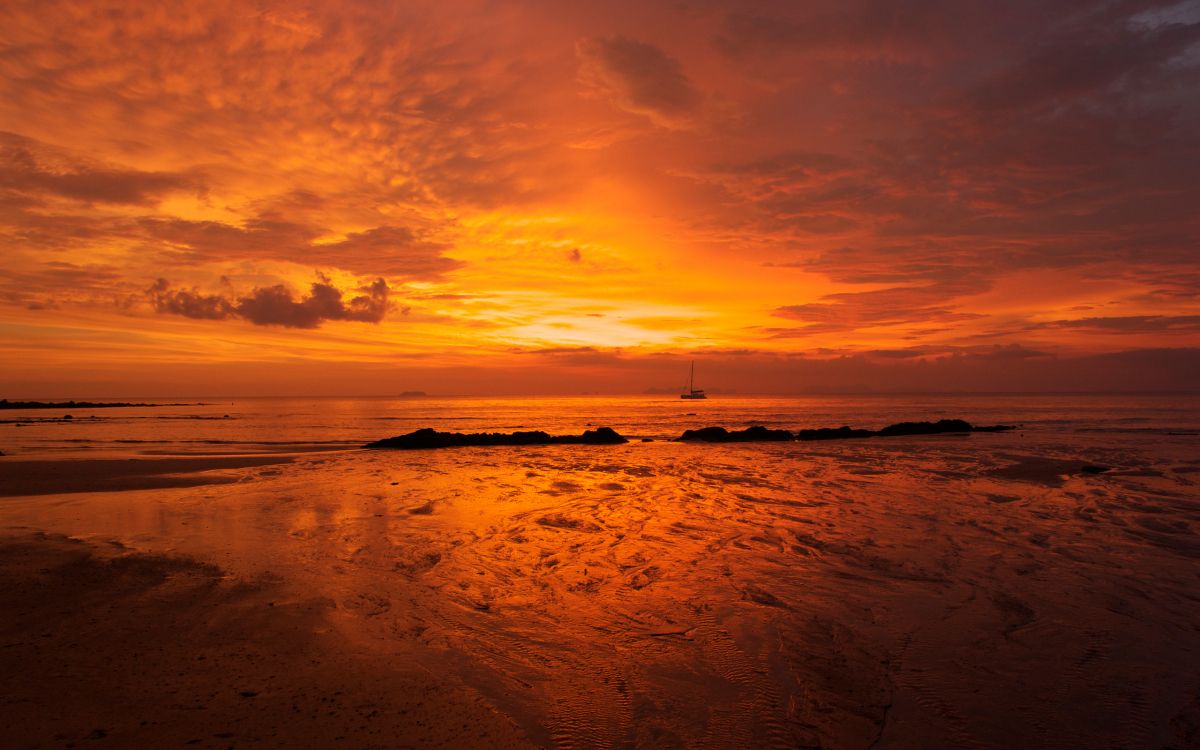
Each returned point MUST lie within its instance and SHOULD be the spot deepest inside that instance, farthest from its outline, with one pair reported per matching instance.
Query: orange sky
(369, 197)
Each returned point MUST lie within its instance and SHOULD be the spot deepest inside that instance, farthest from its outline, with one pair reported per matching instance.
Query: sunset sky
(245, 198)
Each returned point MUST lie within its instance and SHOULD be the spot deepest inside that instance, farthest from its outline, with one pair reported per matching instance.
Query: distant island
(6, 404)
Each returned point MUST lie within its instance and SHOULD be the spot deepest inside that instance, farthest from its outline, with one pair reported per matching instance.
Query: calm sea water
(286, 424)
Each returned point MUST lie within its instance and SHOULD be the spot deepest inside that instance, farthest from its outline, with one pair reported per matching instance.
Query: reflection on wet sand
(925, 592)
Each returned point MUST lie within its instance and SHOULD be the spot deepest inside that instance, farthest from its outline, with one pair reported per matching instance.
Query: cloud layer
(869, 180)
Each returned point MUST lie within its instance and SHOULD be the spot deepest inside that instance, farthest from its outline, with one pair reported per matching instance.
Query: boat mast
(692, 378)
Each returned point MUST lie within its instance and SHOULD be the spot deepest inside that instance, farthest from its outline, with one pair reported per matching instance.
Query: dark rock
(429, 438)
(831, 433)
(925, 428)
(598, 436)
(941, 427)
(706, 435)
(760, 433)
(756, 434)
(1092, 469)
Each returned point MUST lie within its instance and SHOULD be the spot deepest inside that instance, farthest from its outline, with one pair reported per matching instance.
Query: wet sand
(101, 646)
(923, 592)
(42, 477)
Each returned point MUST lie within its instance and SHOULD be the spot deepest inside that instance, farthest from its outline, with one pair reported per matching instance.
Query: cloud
(638, 77)
(189, 303)
(275, 305)
(896, 306)
(880, 29)
(932, 353)
(32, 169)
(49, 284)
(392, 251)
(1088, 59)
(1131, 324)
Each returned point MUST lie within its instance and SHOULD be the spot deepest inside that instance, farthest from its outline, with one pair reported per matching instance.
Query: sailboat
(693, 391)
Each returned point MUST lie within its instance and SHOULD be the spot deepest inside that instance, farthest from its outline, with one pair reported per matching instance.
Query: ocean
(283, 424)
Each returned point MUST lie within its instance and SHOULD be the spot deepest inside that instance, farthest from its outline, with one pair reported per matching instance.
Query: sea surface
(949, 591)
(282, 424)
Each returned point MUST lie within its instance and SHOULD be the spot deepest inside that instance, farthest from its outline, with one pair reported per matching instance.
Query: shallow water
(287, 424)
(949, 591)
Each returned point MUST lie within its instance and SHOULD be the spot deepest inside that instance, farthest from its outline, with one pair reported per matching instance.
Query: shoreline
(5, 404)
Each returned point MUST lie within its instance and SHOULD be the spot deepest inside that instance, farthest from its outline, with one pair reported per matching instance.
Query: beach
(979, 590)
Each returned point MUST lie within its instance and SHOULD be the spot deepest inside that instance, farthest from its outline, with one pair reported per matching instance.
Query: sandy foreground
(923, 592)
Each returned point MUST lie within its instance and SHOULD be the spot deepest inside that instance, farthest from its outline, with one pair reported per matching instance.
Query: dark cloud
(639, 78)
(1087, 59)
(1001, 368)
(897, 306)
(1131, 324)
(995, 352)
(214, 240)
(789, 168)
(190, 303)
(897, 353)
(275, 305)
(889, 29)
(29, 168)
(393, 251)
(927, 262)
(48, 284)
